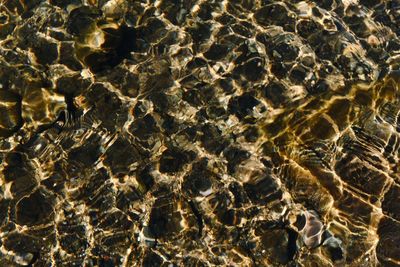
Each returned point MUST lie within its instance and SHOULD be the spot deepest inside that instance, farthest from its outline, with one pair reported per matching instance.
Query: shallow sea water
(199, 133)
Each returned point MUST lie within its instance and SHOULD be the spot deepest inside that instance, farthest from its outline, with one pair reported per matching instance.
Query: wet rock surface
(199, 133)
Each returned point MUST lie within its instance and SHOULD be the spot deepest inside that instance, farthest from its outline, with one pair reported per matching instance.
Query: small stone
(235, 156)
(151, 259)
(11, 114)
(275, 242)
(253, 69)
(286, 51)
(198, 182)
(145, 127)
(120, 155)
(387, 247)
(200, 32)
(216, 52)
(242, 105)
(67, 56)
(211, 139)
(71, 85)
(173, 159)
(276, 93)
(334, 248)
(308, 27)
(37, 208)
(298, 74)
(262, 190)
(45, 52)
(274, 14)
(80, 19)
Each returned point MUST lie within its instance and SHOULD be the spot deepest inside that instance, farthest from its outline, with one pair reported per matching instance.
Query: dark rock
(244, 29)
(81, 19)
(360, 176)
(115, 220)
(242, 105)
(326, 4)
(200, 32)
(348, 203)
(156, 81)
(152, 259)
(45, 52)
(173, 159)
(117, 46)
(201, 94)
(193, 261)
(228, 217)
(37, 208)
(22, 243)
(320, 87)
(238, 193)
(16, 163)
(226, 85)
(55, 20)
(64, 3)
(190, 133)
(130, 85)
(263, 190)
(199, 180)
(125, 199)
(276, 93)
(15, 6)
(11, 114)
(196, 63)
(107, 106)
(358, 26)
(170, 124)
(164, 220)
(275, 242)
(126, 81)
(235, 156)
(216, 51)
(21, 173)
(4, 210)
(6, 30)
(55, 183)
(253, 69)
(251, 134)
(121, 155)
(390, 205)
(288, 52)
(73, 243)
(145, 178)
(300, 222)
(145, 127)
(334, 248)
(298, 74)
(67, 56)
(153, 31)
(305, 28)
(387, 247)
(161, 102)
(206, 9)
(24, 183)
(211, 139)
(275, 14)
(87, 154)
(140, 109)
(71, 85)
(279, 69)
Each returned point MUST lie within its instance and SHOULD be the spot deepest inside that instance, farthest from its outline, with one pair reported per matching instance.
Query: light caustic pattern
(199, 133)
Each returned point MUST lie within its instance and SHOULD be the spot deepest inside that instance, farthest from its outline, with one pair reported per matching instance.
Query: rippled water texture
(199, 133)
